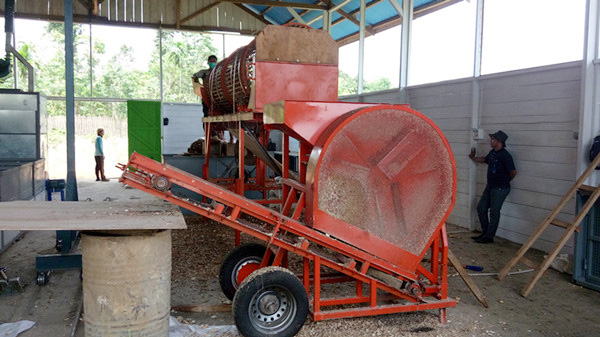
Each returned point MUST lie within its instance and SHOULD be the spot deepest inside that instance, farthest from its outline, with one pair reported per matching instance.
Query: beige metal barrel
(126, 283)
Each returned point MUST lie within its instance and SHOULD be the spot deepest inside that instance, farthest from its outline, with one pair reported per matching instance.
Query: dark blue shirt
(500, 164)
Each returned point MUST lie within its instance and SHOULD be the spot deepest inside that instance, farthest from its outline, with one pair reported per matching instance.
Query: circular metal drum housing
(384, 180)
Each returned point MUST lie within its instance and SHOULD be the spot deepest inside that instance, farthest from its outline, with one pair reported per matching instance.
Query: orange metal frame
(405, 290)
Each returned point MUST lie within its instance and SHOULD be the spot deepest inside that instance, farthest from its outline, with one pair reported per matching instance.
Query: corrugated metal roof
(379, 14)
(244, 16)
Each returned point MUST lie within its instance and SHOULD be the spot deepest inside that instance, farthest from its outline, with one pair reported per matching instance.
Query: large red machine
(366, 204)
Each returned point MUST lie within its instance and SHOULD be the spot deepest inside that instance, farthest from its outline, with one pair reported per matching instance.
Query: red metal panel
(277, 81)
(384, 181)
(309, 120)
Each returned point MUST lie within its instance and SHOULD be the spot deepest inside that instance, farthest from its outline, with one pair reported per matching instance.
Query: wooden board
(81, 215)
(468, 280)
(296, 45)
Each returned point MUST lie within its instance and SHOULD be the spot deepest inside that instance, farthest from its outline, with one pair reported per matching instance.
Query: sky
(517, 34)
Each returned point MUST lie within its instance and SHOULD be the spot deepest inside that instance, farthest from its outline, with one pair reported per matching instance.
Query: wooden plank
(564, 224)
(468, 280)
(74, 215)
(566, 236)
(545, 224)
(587, 188)
(528, 262)
(310, 45)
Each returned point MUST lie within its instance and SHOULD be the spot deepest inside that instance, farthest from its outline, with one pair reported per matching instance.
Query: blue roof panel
(376, 13)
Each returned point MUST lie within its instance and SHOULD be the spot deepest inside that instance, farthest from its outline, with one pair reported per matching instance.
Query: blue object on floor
(55, 185)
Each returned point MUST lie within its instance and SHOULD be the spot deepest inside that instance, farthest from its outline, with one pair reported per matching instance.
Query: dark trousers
(99, 167)
(492, 199)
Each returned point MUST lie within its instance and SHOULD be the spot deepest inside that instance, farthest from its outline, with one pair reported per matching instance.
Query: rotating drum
(384, 180)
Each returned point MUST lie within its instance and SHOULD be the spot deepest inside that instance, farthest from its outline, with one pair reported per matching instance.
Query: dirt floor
(555, 307)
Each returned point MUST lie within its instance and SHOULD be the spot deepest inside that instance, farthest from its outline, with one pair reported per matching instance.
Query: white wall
(539, 109)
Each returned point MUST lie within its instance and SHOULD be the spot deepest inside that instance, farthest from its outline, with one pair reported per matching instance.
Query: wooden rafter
(303, 12)
(268, 9)
(278, 4)
(350, 16)
(255, 15)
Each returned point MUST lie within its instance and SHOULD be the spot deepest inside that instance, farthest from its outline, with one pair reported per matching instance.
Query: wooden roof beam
(304, 12)
(268, 9)
(255, 15)
(350, 16)
(278, 4)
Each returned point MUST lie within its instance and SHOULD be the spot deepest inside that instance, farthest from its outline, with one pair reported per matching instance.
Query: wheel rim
(244, 268)
(272, 309)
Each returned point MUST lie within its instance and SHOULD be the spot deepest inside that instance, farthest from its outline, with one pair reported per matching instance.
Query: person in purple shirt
(501, 170)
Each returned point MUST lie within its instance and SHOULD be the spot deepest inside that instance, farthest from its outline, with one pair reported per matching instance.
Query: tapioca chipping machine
(365, 208)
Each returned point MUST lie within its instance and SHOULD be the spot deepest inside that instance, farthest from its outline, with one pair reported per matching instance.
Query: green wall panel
(144, 128)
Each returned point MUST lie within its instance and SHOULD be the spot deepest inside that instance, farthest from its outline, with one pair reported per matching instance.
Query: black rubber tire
(249, 252)
(270, 302)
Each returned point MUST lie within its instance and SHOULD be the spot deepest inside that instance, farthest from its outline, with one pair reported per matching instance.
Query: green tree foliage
(348, 85)
(184, 53)
(119, 77)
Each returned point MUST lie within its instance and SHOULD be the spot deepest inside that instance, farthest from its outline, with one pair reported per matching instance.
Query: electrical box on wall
(478, 134)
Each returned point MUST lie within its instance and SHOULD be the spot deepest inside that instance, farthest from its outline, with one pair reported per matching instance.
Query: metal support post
(589, 121)
(475, 107)
(361, 46)
(70, 103)
(407, 18)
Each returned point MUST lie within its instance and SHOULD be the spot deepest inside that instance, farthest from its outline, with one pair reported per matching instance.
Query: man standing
(99, 156)
(203, 74)
(501, 170)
